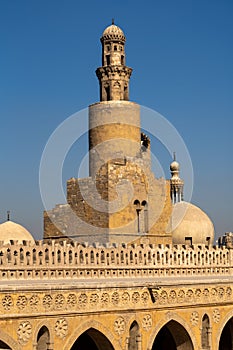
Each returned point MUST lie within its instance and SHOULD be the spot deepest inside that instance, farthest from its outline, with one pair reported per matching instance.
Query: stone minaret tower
(114, 122)
(176, 184)
(121, 200)
(113, 75)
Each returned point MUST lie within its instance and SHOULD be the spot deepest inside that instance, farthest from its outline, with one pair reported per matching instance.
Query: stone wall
(63, 290)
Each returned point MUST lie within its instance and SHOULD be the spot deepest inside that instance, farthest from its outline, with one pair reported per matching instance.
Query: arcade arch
(226, 338)
(6, 342)
(172, 336)
(92, 339)
(4, 346)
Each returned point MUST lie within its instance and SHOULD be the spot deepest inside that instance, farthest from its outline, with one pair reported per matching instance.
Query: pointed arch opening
(145, 216)
(172, 336)
(92, 339)
(226, 339)
(205, 331)
(134, 336)
(43, 339)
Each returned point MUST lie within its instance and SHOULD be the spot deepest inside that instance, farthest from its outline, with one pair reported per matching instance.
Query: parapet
(63, 255)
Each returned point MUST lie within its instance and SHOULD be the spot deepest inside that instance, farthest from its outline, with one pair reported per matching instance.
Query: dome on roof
(113, 32)
(10, 230)
(190, 224)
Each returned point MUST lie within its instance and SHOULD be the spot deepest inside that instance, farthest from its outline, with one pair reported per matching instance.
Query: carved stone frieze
(71, 300)
(221, 292)
(94, 299)
(47, 301)
(228, 291)
(59, 301)
(34, 301)
(21, 302)
(7, 302)
(190, 295)
(181, 296)
(82, 300)
(105, 298)
(135, 297)
(145, 297)
(115, 298)
(125, 298)
(172, 296)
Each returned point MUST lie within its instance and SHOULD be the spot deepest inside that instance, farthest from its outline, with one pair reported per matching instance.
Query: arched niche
(134, 336)
(205, 331)
(172, 336)
(43, 339)
(226, 338)
(92, 339)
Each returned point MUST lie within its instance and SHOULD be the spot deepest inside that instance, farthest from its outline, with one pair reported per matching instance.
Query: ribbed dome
(113, 32)
(11, 231)
(189, 221)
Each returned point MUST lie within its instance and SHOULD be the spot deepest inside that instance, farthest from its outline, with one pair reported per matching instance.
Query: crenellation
(165, 258)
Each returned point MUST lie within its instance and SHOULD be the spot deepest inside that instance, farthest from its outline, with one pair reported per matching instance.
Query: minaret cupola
(176, 184)
(113, 75)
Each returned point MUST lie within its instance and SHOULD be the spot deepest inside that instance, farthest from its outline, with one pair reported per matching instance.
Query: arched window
(138, 209)
(145, 214)
(126, 90)
(205, 332)
(134, 336)
(43, 339)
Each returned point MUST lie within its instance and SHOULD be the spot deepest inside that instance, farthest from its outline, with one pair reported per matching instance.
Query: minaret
(114, 122)
(176, 184)
(113, 75)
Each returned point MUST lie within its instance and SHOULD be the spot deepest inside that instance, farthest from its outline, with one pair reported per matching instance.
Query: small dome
(11, 231)
(190, 223)
(174, 166)
(113, 32)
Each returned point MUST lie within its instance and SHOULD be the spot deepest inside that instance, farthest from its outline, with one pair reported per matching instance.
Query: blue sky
(181, 53)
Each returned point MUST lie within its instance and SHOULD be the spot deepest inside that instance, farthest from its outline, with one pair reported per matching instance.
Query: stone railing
(65, 260)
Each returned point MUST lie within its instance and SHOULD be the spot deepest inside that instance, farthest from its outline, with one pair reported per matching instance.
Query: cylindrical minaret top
(176, 184)
(113, 75)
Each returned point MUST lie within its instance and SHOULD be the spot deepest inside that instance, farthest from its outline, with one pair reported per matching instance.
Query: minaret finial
(174, 156)
(113, 21)
(8, 215)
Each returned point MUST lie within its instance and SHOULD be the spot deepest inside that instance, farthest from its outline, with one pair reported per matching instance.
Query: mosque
(126, 263)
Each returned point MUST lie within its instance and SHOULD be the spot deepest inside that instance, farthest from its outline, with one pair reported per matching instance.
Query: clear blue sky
(181, 52)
